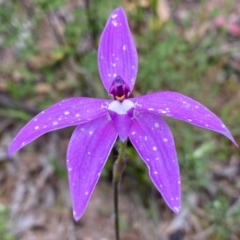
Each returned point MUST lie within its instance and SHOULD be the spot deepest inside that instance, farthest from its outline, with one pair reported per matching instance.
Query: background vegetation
(48, 52)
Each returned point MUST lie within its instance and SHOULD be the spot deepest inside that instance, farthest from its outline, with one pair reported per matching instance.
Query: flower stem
(118, 168)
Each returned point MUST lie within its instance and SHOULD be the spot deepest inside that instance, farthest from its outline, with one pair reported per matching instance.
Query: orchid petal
(122, 124)
(117, 54)
(154, 142)
(69, 112)
(88, 150)
(121, 114)
(179, 106)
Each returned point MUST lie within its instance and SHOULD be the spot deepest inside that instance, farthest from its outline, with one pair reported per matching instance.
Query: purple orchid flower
(100, 121)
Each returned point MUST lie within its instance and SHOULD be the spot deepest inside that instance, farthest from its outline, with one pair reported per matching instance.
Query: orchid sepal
(179, 106)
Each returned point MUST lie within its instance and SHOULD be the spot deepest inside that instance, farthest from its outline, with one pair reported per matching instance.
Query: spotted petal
(154, 142)
(87, 153)
(117, 54)
(66, 113)
(176, 105)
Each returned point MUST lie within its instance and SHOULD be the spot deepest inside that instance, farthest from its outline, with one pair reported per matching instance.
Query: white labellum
(121, 107)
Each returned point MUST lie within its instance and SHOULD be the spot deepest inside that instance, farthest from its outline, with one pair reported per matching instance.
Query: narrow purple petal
(122, 124)
(66, 113)
(179, 106)
(117, 54)
(121, 114)
(154, 142)
(87, 153)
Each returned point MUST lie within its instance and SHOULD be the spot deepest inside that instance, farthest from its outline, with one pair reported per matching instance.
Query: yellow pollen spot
(120, 98)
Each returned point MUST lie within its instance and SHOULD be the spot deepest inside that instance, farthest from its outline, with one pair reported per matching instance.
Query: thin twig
(116, 215)
(118, 168)
(92, 23)
(8, 102)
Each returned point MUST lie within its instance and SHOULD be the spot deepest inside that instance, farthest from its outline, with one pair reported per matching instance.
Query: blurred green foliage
(4, 231)
(168, 60)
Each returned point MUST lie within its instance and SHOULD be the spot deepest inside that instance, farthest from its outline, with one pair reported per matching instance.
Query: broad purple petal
(87, 153)
(66, 113)
(176, 105)
(117, 54)
(154, 142)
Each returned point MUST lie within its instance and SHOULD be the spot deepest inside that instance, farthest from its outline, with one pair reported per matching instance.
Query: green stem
(117, 173)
